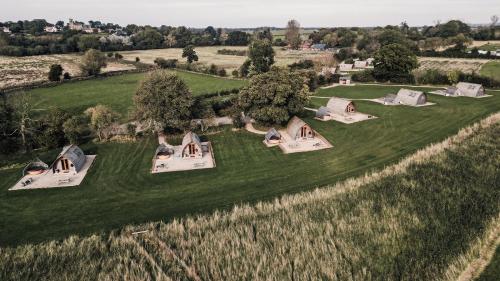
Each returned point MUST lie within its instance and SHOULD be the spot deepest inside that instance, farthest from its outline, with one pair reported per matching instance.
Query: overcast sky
(253, 13)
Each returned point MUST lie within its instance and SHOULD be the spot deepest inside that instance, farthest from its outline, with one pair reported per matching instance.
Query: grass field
(120, 190)
(491, 69)
(117, 91)
(421, 219)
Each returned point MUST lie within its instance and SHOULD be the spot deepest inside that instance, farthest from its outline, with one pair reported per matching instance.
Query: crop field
(491, 45)
(491, 69)
(16, 71)
(208, 55)
(421, 219)
(120, 190)
(117, 92)
(447, 64)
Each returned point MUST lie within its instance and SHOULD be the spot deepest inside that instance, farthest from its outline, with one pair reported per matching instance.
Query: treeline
(69, 41)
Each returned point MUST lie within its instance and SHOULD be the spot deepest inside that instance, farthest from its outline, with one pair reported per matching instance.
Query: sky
(253, 13)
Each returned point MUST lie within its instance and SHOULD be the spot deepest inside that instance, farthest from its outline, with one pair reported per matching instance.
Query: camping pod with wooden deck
(298, 130)
(70, 160)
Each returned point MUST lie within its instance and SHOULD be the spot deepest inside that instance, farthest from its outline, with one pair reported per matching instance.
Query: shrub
(137, 59)
(363, 76)
(110, 54)
(76, 128)
(222, 72)
(213, 69)
(302, 64)
(431, 76)
(131, 129)
(118, 56)
(235, 73)
(55, 72)
(163, 63)
(66, 76)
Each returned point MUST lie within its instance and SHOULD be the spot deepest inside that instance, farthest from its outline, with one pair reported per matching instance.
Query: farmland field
(117, 91)
(491, 69)
(422, 219)
(447, 64)
(119, 189)
(208, 55)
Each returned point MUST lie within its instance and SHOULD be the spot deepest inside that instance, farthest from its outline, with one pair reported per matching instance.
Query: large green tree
(274, 97)
(261, 56)
(101, 119)
(92, 62)
(189, 53)
(164, 99)
(393, 61)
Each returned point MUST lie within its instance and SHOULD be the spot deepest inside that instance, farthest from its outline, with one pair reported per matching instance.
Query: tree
(292, 34)
(76, 128)
(261, 56)
(55, 72)
(237, 38)
(164, 100)
(9, 137)
(149, 38)
(92, 62)
(393, 61)
(50, 131)
(189, 53)
(24, 123)
(274, 97)
(101, 119)
(87, 42)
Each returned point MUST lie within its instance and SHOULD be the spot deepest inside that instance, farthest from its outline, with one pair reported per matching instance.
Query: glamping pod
(299, 130)
(340, 106)
(273, 136)
(345, 67)
(469, 90)
(191, 146)
(345, 80)
(410, 97)
(70, 160)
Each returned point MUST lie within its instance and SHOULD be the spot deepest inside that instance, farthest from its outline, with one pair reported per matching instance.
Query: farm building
(272, 136)
(191, 146)
(467, 90)
(299, 130)
(340, 106)
(345, 67)
(411, 97)
(70, 160)
(361, 64)
(345, 80)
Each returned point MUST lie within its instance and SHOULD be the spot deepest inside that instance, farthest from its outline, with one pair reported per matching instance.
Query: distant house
(345, 67)
(370, 61)
(6, 30)
(299, 130)
(70, 160)
(361, 64)
(75, 25)
(191, 146)
(51, 29)
(318, 47)
(411, 97)
(272, 136)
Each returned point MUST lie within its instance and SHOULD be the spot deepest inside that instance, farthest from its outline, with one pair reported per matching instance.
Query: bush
(163, 63)
(118, 56)
(222, 72)
(131, 129)
(242, 53)
(137, 59)
(235, 73)
(213, 69)
(431, 76)
(110, 54)
(66, 76)
(55, 72)
(363, 76)
(76, 128)
(302, 64)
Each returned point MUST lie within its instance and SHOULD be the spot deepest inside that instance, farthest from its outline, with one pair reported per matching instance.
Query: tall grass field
(421, 219)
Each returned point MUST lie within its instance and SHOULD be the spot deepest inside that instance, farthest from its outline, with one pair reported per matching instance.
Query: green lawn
(117, 91)
(489, 47)
(491, 69)
(120, 190)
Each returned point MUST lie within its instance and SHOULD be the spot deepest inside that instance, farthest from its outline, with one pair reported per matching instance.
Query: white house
(6, 30)
(345, 67)
(51, 29)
